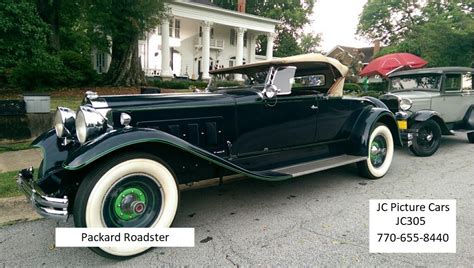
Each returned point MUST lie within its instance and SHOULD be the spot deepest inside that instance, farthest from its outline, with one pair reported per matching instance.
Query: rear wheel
(427, 140)
(380, 153)
(470, 137)
(136, 190)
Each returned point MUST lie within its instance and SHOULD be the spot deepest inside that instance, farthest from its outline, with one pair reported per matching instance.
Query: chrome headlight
(64, 122)
(89, 124)
(405, 104)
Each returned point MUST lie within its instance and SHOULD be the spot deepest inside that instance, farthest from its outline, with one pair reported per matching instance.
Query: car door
(451, 104)
(336, 117)
(273, 124)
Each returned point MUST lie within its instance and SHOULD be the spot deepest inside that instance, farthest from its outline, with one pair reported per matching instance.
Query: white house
(197, 37)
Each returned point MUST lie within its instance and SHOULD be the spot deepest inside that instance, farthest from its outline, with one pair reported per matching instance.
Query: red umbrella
(390, 63)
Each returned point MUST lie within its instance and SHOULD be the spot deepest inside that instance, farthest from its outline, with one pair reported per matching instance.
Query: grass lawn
(14, 146)
(72, 102)
(8, 186)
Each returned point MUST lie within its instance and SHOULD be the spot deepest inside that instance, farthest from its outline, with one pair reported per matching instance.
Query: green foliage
(441, 32)
(23, 34)
(310, 42)
(351, 87)
(294, 15)
(45, 70)
(370, 93)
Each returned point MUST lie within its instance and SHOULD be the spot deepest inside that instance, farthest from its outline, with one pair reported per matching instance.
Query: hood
(421, 99)
(162, 101)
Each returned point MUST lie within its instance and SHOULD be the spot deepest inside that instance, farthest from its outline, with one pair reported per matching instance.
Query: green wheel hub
(378, 151)
(130, 203)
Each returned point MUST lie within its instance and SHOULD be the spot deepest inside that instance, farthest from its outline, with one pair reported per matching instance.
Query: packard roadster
(118, 160)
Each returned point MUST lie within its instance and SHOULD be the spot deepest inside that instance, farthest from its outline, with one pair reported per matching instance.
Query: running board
(319, 165)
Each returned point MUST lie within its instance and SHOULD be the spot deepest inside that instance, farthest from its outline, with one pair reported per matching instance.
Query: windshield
(421, 81)
(228, 80)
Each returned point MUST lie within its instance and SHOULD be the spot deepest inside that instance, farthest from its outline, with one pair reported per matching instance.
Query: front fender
(365, 124)
(424, 115)
(118, 139)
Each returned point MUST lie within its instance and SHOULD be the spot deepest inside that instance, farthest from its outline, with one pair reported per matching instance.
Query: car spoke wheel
(427, 138)
(380, 154)
(136, 190)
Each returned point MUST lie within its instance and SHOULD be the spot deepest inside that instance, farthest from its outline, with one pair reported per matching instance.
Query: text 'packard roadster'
(118, 160)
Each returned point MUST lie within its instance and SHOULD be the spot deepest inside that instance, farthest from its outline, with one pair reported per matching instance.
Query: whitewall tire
(136, 190)
(380, 153)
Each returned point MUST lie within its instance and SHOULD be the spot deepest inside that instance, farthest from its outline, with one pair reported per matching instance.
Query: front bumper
(406, 134)
(46, 206)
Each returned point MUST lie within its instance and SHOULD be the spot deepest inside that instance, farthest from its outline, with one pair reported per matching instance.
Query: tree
(124, 22)
(294, 15)
(23, 33)
(388, 21)
(443, 33)
(309, 43)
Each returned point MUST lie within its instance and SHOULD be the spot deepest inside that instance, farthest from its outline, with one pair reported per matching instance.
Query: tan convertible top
(305, 58)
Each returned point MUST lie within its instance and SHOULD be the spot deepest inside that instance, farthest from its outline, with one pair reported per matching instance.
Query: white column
(240, 50)
(270, 40)
(166, 72)
(251, 44)
(206, 49)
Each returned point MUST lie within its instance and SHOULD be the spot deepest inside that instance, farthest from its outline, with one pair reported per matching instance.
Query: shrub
(78, 69)
(370, 93)
(68, 68)
(351, 87)
(43, 70)
(179, 84)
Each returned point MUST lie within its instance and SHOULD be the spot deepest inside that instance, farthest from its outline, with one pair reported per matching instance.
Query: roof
(435, 70)
(207, 5)
(204, 2)
(305, 58)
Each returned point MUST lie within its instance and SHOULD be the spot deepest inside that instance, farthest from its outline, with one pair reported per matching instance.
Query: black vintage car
(118, 161)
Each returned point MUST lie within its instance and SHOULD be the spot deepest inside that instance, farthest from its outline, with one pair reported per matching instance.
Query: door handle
(314, 107)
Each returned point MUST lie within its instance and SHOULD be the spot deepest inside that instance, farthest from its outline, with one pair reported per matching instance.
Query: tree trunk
(125, 68)
(49, 13)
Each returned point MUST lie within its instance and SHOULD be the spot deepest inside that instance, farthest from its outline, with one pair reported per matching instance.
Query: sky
(337, 21)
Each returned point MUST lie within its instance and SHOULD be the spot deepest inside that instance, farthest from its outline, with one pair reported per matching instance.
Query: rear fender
(468, 119)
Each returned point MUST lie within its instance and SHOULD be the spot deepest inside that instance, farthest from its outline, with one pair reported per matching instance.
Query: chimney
(241, 5)
(376, 46)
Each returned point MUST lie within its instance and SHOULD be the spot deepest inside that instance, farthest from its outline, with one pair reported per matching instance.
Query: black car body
(286, 119)
(431, 102)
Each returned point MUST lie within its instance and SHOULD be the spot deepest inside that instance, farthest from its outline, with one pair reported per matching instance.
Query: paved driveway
(320, 219)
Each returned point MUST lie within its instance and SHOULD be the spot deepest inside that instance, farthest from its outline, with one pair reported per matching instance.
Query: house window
(233, 36)
(158, 30)
(245, 39)
(171, 28)
(177, 28)
(200, 32)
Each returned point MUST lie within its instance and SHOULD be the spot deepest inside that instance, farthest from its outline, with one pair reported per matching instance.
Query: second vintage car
(430, 103)
(118, 160)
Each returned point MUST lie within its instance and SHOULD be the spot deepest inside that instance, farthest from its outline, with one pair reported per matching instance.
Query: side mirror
(279, 81)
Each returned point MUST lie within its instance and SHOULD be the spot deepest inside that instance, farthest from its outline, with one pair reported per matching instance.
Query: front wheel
(427, 139)
(380, 153)
(135, 190)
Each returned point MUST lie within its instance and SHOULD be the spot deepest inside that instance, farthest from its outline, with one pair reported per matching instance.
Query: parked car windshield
(420, 81)
(227, 80)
